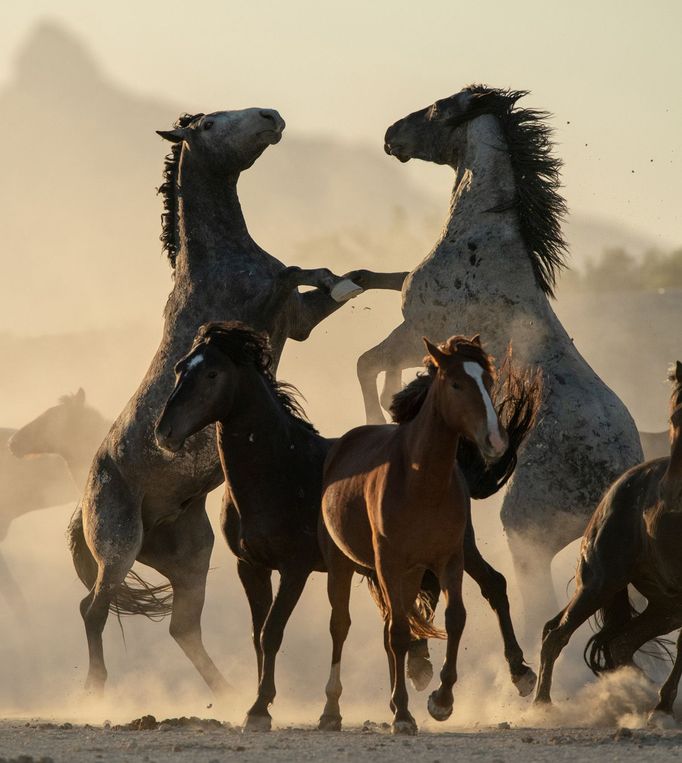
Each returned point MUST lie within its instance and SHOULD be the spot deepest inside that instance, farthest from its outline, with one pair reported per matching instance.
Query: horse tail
(420, 617)
(610, 621)
(134, 596)
(517, 398)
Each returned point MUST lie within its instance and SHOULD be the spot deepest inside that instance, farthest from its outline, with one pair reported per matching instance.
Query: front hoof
(436, 711)
(257, 723)
(329, 723)
(542, 703)
(525, 683)
(419, 671)
(404, 727)
(660, 720)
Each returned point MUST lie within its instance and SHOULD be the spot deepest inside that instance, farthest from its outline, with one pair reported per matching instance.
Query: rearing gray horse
(493, 271)
(141, 502)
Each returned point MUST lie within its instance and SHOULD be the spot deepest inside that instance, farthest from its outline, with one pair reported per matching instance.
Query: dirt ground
(34, 741)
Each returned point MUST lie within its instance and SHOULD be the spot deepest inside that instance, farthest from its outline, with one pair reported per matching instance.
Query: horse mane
(246, 346)
(408, 402)
(168, 190)
(676, 394)
(539, 204)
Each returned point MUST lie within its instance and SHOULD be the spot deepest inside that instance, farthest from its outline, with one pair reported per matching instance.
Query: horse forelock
(247, 346)
(539, 204)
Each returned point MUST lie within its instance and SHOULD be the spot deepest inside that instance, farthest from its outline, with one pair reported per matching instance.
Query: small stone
(504, 725)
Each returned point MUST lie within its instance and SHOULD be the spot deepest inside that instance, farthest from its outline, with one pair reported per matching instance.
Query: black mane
(676, 394)
(168, 189)
(244, 345)
(540, 206)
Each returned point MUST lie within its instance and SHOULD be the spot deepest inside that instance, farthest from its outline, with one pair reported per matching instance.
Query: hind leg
(663, 712)
(113, 531)
(494, 589)
(340, 575)
(181, 551)
(419, 667)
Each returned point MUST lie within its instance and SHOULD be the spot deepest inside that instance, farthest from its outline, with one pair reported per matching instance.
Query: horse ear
(435, 353)
(678, 371)
(79, 397)
(174, 136)
(476, 340)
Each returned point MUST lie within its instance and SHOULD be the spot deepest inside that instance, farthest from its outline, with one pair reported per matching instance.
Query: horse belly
(347, 523)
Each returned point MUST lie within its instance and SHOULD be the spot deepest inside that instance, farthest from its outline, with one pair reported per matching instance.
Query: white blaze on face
(475, 370)
(194, 361)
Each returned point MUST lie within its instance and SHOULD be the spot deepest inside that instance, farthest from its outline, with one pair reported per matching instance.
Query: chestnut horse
(395, 502)
(273, 462)
(633, 538)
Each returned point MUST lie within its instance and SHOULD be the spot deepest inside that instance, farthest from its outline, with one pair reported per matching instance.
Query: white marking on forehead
(475, 370)
(194, 361)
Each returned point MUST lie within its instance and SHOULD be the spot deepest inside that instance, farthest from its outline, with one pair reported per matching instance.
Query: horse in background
(395, 504)
(141, 503)
(634, 538)
(44, 464)
(494, 270)
(273, 462)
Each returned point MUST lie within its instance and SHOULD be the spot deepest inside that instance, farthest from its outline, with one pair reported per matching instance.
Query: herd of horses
(391, 502)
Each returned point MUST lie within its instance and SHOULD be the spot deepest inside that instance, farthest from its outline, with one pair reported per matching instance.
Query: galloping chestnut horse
(395, 502)
(634, 537)
(273, 461)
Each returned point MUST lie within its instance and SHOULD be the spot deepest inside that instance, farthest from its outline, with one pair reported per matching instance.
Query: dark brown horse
(633, 539)
(395, 503)
(273, 461)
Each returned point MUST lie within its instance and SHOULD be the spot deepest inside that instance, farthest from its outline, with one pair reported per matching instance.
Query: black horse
(633, 538)
(273, 461)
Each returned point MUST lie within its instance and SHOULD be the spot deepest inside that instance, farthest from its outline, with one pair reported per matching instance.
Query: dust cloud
(82, 298)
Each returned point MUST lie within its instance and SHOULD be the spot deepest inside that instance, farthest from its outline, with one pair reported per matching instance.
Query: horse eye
(208, 124)
(212, 374)
(455, 385)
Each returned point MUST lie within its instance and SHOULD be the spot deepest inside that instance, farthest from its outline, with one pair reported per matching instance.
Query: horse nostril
(269, 116)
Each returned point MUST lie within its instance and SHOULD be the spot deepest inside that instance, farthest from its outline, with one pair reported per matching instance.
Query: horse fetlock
(525, 682)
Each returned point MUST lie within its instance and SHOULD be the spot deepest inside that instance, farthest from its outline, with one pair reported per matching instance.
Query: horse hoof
(419, 671)
(330, 723)
(436, 711)
(660, 720)
(542, 703)
(257, 723)
(404, 727)
(525, 683)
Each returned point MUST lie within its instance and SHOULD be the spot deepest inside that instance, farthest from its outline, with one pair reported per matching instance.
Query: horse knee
(455, 617)
(399, 635)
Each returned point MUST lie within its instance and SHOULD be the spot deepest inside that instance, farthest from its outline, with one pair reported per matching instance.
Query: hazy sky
(609, 71)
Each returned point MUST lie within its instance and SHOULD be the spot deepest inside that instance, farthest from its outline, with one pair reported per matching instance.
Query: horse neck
(209, 217)
(671, 482)
(430, 448)
(483, 202)
(254, 437)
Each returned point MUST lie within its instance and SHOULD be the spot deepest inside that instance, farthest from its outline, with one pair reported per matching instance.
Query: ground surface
(75, 744)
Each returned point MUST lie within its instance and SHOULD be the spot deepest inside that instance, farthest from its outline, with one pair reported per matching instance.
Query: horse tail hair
(517, 398)
(610, 621)
(420, 617)
(134, 596)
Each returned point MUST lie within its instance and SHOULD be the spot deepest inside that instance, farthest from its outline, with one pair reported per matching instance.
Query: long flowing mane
(539, 204)
(168, 190)
(676, 394)
(244, 345)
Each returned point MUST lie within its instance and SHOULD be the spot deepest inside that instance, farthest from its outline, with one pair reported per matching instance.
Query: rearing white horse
(493, 271)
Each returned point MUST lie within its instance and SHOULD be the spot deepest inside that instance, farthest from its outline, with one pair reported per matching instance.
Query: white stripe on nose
(475, 370)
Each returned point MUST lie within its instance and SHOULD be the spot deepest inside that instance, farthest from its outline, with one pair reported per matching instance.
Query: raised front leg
(291, 587)
(401, 349)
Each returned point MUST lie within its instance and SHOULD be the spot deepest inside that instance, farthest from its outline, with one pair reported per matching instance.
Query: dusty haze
(83, 287)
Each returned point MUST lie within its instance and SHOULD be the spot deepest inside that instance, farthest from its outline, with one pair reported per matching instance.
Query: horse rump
(610, 621)
(517, 399)
(134, 596)
(420, 617)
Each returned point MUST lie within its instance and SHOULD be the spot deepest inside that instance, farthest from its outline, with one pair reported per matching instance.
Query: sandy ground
(75, 744)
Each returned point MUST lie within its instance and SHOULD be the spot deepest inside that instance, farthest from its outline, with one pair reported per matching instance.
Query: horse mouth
(398, 152)
(272, 136)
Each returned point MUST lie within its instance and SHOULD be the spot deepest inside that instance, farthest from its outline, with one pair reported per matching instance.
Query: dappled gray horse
(493, 271)
(141, 502)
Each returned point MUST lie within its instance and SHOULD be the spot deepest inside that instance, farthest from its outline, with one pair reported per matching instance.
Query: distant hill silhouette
(80, 218)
